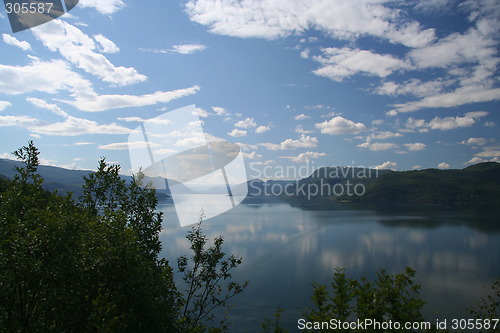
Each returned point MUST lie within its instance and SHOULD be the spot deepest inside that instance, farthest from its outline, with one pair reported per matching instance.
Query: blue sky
(388, 84)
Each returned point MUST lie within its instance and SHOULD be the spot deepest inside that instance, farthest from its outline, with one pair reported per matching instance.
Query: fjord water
(285, 247)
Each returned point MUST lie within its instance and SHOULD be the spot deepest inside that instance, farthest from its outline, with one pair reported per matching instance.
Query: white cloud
(493, 151)
(443, 165)
(339, 63)
(247, 123)
(413, 87)
(105, 7)
(444, 124)
(415, 146)
(307, 156)
(4, 105)
(384, 135)
(49, 77)
(339, 126)
(127, 145)
(93, 102)
(299, 129)
(71, 126)
(275, 19)
(237, 133)
(107, 46)
(11, 40)
(252, 156)
(149, 121)
(449, 123)
(220, 111)
(262, 129)
(303, 142)
(388, 165)
(8, 156)
(79, 49)
(188, 48)
(247, 146)
(477, 114)
(20, 121)
(476, 160)
(461, 96)
(301, 117)
(475, 141)
(377, 146)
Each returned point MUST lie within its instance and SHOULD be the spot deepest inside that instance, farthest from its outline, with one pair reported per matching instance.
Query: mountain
(65, 180)
(478, 183)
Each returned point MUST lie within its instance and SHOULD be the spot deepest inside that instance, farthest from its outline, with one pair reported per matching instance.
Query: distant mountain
(478, 183)
(65, 180)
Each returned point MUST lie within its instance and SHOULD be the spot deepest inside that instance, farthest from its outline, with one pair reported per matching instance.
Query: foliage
(488, 307)
(93, 266)
(205, 276)
(274, 326)
(391, 298)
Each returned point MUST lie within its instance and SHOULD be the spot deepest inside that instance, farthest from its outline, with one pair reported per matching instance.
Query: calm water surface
(285, 247)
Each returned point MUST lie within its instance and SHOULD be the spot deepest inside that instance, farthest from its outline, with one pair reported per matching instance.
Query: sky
(395, 85)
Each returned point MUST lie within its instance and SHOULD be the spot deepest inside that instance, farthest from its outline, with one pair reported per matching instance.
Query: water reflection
(285, 247)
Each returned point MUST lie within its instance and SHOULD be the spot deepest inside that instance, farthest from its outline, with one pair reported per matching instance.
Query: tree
(391, 298)
(66, 267)
(205, 276)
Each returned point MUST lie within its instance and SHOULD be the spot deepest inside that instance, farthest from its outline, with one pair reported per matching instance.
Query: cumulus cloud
(11, 40)
(377, 146)
(71, 126)
(339, 126)
(307, 156)
(447, 123)
(247, 123)
(262, 129)
(106, 45)
(475, 141)
(443, 165)
(252, 156)
(339, 63)
(388, 165)
(301, 117)
(299, 129)
(220, 111)
(275, 19)
(302, 142)
(415, 146)
(237, 133)
(384, 135)
(188, 48)
(80, 50)
(106, 7)
(4, 105)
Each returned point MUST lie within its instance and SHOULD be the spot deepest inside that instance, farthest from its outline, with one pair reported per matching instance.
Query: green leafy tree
(67, 268)
(391, 298)
(488, 309)
(207, 277)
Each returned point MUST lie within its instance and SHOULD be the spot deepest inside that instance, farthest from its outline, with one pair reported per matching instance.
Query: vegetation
(478, 183)
(93, 265)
